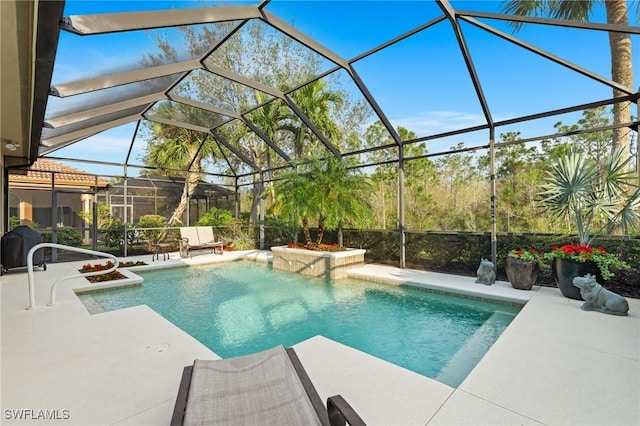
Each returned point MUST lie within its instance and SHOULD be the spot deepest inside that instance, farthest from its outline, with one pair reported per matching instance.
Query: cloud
(433, 122)
(109, 146)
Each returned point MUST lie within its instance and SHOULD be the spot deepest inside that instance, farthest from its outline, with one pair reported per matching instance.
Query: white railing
(52, 292)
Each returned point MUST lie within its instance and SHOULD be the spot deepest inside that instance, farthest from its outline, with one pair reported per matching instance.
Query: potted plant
(597, 199)
(522, 267)
(580, 260)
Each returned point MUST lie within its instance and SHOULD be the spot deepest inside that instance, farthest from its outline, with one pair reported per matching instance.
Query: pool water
(240, 308)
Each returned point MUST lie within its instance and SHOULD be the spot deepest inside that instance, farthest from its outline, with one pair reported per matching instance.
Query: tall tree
(385, 175)
(174, 149)
(317, 102)
(619, 44)
(259, 53)
(270, 119)
(596, 145)
(420, 178)
(518, 174)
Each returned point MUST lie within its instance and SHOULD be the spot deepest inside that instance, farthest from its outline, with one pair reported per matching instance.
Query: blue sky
(420, 83)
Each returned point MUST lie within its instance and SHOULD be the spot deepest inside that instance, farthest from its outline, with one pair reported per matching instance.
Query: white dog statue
(598, 298)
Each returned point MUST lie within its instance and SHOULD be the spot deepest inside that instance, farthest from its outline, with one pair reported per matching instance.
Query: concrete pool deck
(554, 365)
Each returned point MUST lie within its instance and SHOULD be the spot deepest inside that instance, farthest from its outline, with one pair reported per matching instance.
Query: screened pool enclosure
(442, 104)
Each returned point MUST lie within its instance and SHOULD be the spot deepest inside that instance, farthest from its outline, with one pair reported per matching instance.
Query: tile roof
(42, 169)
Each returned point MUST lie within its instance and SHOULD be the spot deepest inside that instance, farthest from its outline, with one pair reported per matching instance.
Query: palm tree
(596, 201)
(175, 148)
(347, 197)
(270, 119)
(294, 199)
(619, 44)
(316, 101)
(326, 191)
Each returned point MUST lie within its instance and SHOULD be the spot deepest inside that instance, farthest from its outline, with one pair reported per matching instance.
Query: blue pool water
(240, 308)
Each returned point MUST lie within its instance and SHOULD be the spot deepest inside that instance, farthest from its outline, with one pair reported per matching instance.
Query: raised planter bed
(130, 279)
(316, 263)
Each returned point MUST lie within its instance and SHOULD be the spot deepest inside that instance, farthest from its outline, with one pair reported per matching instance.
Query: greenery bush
(242, 240)
(325, 192)
(278, 233)
(151, 236)
(104, 215)
(113, 234)
(64, 235)
(216, 217)
(14, 222)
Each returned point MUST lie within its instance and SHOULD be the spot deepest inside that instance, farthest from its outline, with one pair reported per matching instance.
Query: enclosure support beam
(188, 197)
(236, 199)
(492, 172)
(124, 215)
(262, 213)
(637, 129)
(401, 224)
(94, 215)
(54, 218)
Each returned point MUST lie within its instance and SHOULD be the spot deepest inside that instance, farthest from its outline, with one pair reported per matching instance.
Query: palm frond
(618, 175)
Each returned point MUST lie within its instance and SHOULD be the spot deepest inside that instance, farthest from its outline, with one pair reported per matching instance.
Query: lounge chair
(265, 388)
(199, 238)
(208, 240)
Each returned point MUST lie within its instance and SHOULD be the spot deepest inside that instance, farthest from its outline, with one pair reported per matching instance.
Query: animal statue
(598, 298)
(486, 273)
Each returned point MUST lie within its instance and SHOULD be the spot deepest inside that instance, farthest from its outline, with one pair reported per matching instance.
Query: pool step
(92, 306)
(468, 356)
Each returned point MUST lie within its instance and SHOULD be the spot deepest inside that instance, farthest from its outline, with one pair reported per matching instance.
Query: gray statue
(598, 298)
(486, 273)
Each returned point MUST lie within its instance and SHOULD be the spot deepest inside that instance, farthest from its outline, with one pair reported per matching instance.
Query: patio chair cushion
(190, 233)
(261, 388)
(206, 237)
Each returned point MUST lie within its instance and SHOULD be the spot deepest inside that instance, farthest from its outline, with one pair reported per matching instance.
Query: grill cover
(16, 245)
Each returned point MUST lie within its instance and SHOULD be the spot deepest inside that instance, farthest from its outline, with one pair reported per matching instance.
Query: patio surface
(554, 365)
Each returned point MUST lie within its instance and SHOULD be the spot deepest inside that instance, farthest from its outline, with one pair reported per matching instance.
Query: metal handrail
(52, 298)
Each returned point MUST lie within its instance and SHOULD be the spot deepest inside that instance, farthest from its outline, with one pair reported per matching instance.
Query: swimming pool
(239, 308)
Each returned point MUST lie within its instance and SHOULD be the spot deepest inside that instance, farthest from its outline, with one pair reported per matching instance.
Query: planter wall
(323, 264)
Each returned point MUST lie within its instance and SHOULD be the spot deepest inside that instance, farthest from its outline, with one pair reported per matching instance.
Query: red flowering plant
(584, 253)
(115, 275)
(529, 255)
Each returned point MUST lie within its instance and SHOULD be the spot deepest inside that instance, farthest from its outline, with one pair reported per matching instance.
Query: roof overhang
(29, 38)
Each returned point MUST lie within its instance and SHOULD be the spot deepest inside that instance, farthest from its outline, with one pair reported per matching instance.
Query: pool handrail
(52, 295)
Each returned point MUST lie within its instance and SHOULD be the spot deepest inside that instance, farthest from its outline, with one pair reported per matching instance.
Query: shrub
(113, 234)
(14, 222)
(104, 215)
(152, 236)
(64, 235)
(242, 240)
(216, 217)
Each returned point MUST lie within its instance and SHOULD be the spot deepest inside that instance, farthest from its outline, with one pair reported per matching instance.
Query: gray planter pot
(522, 274)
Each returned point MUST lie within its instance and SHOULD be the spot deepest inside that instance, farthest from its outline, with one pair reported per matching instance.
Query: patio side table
(160, 249)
